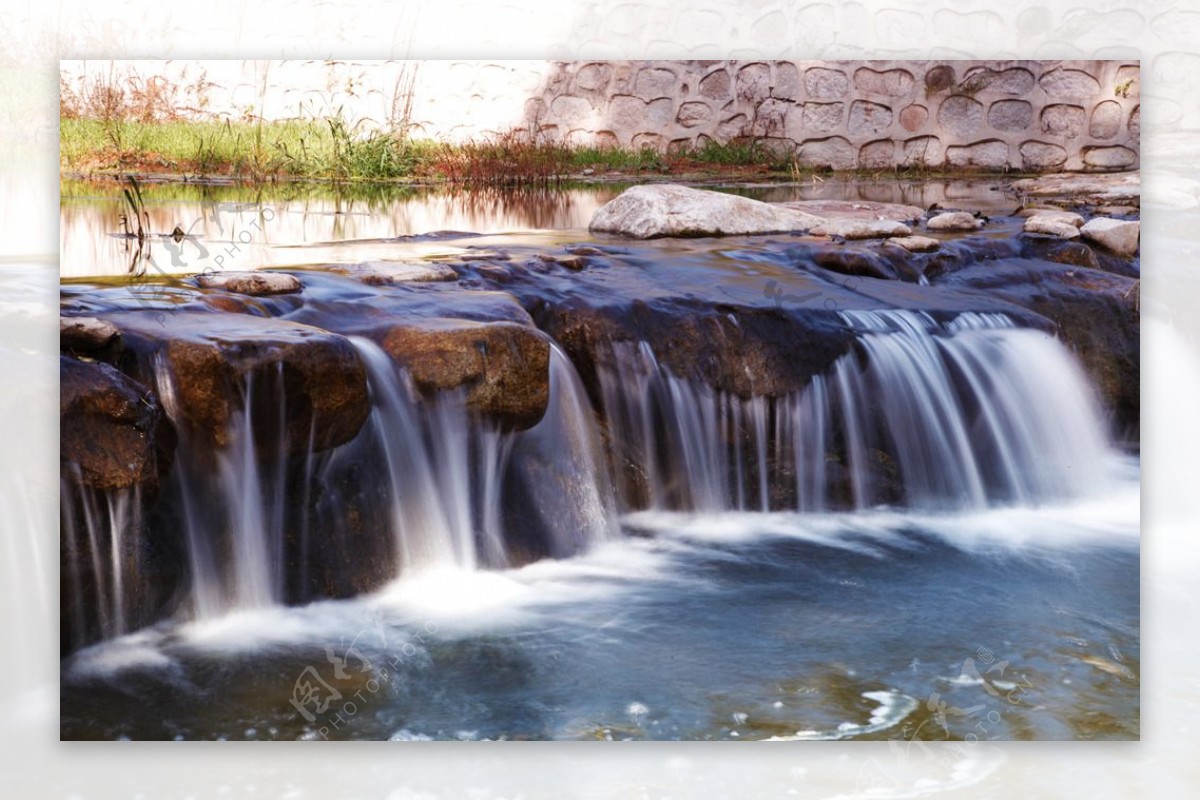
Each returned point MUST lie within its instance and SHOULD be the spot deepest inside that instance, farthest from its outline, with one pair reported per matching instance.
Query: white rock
(915, 244)
(648, 211)
(256, 283)
(1045, 224)
(1069, 217)
(954, 221)
(861, 229)
(1119, 236)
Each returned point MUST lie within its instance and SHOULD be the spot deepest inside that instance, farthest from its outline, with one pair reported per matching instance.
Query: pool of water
(1017, 623)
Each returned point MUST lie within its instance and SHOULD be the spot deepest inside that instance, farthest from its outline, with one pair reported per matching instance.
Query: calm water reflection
(281, 224)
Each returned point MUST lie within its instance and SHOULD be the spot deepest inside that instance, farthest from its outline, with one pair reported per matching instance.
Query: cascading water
(449, 474)
(233, 503)
(101, 557)
(434, 456)
(560, 463)
(930, 416)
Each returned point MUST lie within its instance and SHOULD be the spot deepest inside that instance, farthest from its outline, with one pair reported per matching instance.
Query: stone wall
(1022, 115)
(1015, 115)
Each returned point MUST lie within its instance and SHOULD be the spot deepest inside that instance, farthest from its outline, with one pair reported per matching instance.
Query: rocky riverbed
(748, 298)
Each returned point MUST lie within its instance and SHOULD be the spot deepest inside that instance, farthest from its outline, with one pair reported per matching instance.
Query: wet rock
(1077, 253)
(250, 283)
(646, 212)
(1119, 236)
(915, 244)
(1052, 226)
(733, 348)
(383, 273)
(861, 229)
(574, 263)
(502, 367)
(954, 221)
(303, 382)
(87, 335)
(855, 262)
(113, 432)
(482, 343)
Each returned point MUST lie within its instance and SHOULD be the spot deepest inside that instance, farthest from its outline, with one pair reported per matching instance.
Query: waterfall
(922, 414)
(232, 502)
(101, 559)
(450, 474)
(561, 463)
(926, 415)
(435, 458)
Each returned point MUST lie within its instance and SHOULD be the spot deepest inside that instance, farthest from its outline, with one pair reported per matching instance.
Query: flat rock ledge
(862, 229)
(384, 273)
(1110, 187)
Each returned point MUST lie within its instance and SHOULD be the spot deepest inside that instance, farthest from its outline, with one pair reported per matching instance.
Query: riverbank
(331, 150)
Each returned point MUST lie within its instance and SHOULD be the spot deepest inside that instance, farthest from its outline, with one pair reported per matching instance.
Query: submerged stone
(856, 210)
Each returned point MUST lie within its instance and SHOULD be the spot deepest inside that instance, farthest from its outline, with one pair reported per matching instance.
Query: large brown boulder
(482, 343)
(502, 367)
(302, 381)
(113, 432)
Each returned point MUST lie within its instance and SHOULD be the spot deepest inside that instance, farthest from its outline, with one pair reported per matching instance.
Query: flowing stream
(933, 538)
(947, 473)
